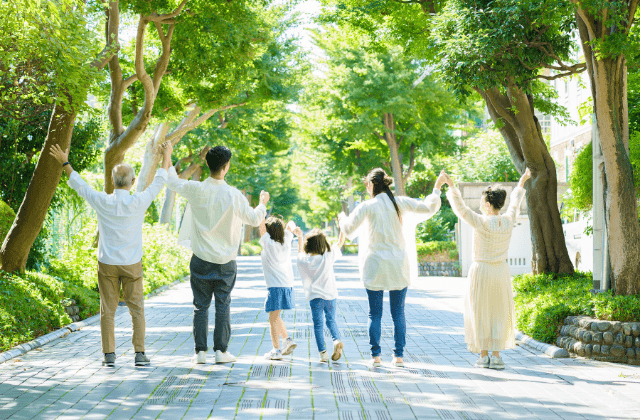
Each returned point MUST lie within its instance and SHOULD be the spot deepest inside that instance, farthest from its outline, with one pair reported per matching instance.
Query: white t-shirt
(276, 260)
(317, 274)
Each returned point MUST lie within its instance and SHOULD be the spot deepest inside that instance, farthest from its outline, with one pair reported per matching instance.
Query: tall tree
(607, 37)
(49, 54)
(380, 100)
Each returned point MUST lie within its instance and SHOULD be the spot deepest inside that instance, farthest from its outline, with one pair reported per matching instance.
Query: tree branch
(164, 18)
(412, 156)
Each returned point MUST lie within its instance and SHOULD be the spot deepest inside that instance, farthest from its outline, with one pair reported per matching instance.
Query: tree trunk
(152, 157)
(396, 164)
(34, 207)
(523, 135)
(167, 207)
(608, 76)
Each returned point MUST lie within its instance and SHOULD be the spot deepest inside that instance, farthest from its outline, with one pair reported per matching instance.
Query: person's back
(492, 237)
(318, 277)
(213, 225)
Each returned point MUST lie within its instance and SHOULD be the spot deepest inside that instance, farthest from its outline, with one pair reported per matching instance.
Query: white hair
(123, 175)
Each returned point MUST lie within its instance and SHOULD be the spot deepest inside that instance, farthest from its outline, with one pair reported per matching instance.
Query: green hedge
(32, 304)
(251, 248)
(543, 302)
(435, 247)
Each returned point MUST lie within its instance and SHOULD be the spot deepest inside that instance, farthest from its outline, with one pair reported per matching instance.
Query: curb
(21, 349)
(548, 349)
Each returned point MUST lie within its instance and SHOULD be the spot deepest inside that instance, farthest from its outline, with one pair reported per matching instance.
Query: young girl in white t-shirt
(278, 273)
(315, 263)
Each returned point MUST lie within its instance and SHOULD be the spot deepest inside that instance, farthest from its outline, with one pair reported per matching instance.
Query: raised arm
(516, 196)
(350, 224)
(75, 180)
(298, 233)
(249, 215)
(458, 205)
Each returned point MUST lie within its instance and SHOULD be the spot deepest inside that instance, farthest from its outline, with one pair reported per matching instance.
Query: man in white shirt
(120, 218)
(217, 212)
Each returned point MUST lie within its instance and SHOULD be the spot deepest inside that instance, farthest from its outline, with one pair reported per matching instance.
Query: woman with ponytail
(385, 226)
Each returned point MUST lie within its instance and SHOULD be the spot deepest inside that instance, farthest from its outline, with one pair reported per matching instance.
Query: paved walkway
(65, 379)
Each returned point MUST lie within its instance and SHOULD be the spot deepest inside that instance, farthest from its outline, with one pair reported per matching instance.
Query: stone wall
(442, 269)
(610, 341)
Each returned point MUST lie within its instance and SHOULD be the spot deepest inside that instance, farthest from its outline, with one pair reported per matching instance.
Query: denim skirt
(279, 298)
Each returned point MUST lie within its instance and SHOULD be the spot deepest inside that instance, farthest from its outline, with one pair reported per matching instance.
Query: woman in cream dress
(489, 313)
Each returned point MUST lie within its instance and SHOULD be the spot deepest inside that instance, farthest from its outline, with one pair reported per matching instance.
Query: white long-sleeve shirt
(387, 248)
(120, 218)
(212, 224)
(318, 278)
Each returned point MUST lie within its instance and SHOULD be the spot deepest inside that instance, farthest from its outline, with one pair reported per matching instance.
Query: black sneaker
(109, 359)
(141, 359)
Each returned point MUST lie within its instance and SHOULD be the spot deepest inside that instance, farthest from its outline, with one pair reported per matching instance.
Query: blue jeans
(328, 308)
(209, 280)
(396, 303)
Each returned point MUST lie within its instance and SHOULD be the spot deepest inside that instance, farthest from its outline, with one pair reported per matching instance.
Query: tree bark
(523, 136)
(394, 146)
(34, 207)
(608, 76)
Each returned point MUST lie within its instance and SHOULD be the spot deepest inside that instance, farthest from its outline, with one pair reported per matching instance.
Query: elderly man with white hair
(120, 217)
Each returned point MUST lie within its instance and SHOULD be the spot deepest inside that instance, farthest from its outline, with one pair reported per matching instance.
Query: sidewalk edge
(548, 349)
(23, 348)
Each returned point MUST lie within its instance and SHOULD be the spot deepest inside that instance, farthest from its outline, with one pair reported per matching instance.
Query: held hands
(441, 180)
(264, 197)
(291, 226)
(58, 154)
(525, 176)
(167, 148)
(298, 232)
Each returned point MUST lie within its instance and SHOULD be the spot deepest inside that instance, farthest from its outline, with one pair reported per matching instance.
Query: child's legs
(282, 329)
(396, 303)
(330, 318)
(317, 313)
(274, 317)
(375, 320)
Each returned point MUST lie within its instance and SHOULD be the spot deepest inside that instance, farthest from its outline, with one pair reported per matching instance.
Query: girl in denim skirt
(278, 273)
(315, 263)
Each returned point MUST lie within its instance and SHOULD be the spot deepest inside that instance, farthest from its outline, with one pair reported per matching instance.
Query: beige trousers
(110, 279)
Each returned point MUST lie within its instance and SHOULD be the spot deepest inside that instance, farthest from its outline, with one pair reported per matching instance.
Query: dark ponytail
(381, 182)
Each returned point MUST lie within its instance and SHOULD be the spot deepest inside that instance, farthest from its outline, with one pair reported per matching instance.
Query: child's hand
(298, 232)
(291, 226)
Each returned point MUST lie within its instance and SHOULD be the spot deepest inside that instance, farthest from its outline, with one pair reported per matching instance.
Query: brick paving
(66, 380)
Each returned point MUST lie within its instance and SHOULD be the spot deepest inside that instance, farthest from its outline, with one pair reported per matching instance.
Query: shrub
(437, 251)
(251, 248)
(437, 228)
(542, 303)
(6, 219)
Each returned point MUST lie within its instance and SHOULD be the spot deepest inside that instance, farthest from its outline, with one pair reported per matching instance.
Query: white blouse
(387, 252)
(491, 234)
(276, 260)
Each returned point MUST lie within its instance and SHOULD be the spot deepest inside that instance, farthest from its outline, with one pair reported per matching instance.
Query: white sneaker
(374, 363)
(199, 358)
(337, 350)
(324, 356)
(289, 346)
(482, 362)
(397, 362)
(225, 357)
(496, 363)
(274, 354)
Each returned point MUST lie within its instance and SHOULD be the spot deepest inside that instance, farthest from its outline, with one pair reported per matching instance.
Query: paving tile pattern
(66, 380)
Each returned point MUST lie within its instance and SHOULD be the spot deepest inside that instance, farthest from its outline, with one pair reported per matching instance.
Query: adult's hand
(291, 226)
(298, 232)
(264, 197)
(525, 176)
(341, 216)
(61, 157)
(167, 149)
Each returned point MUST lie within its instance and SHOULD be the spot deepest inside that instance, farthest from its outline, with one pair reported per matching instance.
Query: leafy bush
(31, 305)
(251, 248)
(6, 219)
(542, 303)
(439, 227)
(441, 250)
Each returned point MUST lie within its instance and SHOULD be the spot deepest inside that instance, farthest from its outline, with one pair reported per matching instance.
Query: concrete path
(65, 379)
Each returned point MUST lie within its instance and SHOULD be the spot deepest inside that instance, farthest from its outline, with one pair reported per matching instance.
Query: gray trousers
(210, 280)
